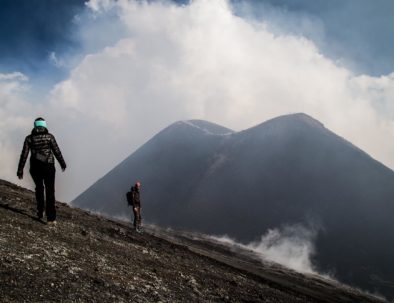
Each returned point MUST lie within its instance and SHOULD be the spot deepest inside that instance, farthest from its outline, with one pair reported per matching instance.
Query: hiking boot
(138, 230)
(40, 215)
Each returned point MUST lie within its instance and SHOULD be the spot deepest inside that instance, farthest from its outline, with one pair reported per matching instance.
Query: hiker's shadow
(20, 211)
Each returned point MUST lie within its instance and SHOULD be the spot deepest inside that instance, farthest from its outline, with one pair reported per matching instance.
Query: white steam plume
(291, 246)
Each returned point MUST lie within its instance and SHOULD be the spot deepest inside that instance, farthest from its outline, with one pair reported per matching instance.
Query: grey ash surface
(88, 258)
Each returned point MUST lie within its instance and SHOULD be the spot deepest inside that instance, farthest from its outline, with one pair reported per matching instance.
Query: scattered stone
(93, 259)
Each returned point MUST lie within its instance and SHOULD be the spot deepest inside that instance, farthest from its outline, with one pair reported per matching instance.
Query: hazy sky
(108, 75)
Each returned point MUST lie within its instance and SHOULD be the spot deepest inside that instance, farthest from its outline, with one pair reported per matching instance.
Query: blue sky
(109, 75)
(31, 30)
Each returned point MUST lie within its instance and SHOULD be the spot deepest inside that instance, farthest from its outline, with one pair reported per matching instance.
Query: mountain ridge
(287, 171)
(207, 127)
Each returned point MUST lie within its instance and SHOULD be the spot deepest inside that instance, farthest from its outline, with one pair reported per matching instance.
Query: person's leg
(38, 179)
(135, 212)
(49, 180)
(139, 217)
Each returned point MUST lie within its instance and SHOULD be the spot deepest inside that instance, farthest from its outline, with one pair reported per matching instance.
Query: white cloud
(169, 62)
(100, 5)
(15, 76)
(59, 63)
(14, 120)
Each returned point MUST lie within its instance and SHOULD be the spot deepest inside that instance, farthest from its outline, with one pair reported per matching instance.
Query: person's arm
(58, 154)
(23, 158)
(132, 197)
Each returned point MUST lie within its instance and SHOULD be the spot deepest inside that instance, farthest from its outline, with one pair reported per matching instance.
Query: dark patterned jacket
(136, 196)
(43, 147)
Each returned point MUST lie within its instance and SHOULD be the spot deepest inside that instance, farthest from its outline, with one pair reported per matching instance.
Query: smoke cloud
(146, 65)
(291, 246)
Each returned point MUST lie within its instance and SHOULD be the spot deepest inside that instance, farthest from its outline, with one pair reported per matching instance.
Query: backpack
(129, 197)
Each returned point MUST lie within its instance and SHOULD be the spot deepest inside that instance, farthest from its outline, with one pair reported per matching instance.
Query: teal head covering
(41, 123)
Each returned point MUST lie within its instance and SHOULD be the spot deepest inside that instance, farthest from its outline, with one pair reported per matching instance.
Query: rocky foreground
(88, 258)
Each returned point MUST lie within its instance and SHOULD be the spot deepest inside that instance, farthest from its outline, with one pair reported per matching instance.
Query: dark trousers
(43, 175)
(137, 216)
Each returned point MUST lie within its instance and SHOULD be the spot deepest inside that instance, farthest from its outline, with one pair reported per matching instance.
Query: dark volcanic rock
(87, 258)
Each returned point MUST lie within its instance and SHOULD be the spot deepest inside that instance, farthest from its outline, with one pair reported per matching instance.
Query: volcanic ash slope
(88, 258)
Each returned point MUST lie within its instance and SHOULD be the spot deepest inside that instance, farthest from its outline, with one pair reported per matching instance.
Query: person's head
(138, 184)
(40, 122)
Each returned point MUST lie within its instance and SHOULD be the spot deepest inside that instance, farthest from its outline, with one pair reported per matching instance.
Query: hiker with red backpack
(133, 199)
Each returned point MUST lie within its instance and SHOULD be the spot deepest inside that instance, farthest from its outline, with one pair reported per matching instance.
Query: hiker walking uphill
(133, 198)
(43, 148)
